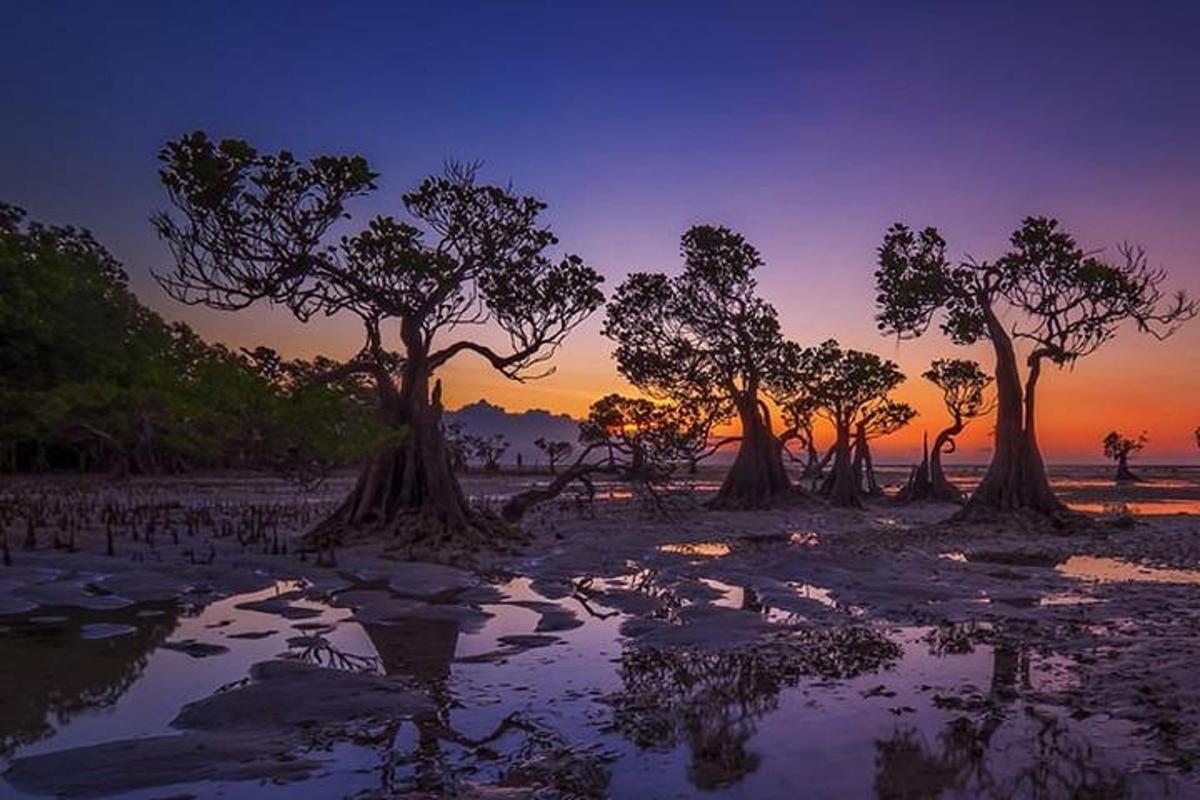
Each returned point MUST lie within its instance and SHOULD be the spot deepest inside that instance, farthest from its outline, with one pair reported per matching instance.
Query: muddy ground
(164, 639)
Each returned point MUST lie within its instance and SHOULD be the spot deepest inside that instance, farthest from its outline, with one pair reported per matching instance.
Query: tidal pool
(519, 681)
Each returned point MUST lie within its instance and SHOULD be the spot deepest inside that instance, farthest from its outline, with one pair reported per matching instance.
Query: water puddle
(702, 549)
(1149, 508)
(510, 687)
(1115, 570)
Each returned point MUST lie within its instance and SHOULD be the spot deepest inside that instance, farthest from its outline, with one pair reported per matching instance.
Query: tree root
(416, 536)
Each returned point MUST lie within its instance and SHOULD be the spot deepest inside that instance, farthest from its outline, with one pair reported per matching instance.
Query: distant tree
(555, 450)
(850, 389)
(489, 450)
(632, 439)
(964, 385)
(1119, 448)
(799, 417)
(885, 419)
(257, 228)
(458, 445)
(705, 340)
(1064, 302)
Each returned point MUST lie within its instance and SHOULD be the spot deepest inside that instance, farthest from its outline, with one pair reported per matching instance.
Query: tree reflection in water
(421, 651)
(49, 673)
(711, 700)
(1052, 762)
(1046, 759)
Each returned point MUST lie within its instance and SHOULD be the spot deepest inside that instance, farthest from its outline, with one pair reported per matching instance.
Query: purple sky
(808, 128)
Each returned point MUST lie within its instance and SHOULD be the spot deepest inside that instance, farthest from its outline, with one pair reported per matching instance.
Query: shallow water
(1142, 507)
(1115, 570)
(842, 711)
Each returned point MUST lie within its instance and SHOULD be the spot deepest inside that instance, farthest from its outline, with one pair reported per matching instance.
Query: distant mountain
(484, 419)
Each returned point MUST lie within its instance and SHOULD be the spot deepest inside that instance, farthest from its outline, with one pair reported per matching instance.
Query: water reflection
(966, 760)
(711, 700)
(702, 549)
(41, 690)
(1115, 570)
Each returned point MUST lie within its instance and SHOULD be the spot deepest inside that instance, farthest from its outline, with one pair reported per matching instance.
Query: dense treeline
(91, 379)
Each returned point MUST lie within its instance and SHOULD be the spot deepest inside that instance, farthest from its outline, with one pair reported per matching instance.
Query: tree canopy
(851, 390)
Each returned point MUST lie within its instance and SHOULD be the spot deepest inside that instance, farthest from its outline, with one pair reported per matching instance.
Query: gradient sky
(809, 128)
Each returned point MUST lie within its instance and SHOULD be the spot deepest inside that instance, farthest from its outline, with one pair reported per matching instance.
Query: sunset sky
(808, 129)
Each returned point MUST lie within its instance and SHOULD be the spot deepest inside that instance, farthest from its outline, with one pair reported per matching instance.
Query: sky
(807, 127)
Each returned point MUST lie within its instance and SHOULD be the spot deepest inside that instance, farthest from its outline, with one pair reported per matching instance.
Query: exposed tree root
(408, 498)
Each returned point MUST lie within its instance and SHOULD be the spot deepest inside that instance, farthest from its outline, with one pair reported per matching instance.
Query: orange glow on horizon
(1134, 383)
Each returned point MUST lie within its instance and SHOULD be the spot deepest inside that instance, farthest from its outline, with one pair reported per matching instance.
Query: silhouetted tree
(1065, 304)
(256, 228)
(850, 389)
(799, 416)
(1119, 448)
(704, 338)
(964, 384)
(633, 439)
(883, 420)
(457, 445)
(555, 451)
(489, 450)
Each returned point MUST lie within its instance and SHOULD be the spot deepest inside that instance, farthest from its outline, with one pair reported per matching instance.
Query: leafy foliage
(258, 227)
(703, 338)
(647, 440)
(91, 378)
(847, 388)
(1119, 447)
(1067, 302)
(964, 386)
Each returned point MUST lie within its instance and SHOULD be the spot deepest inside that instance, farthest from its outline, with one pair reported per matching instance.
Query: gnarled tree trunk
(519, 504)
(1124, 474)
(408, 492)
(863, 465)
(940, 488)
(840, 486)
(918, 486)
(1016, 478)
(757, 478)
